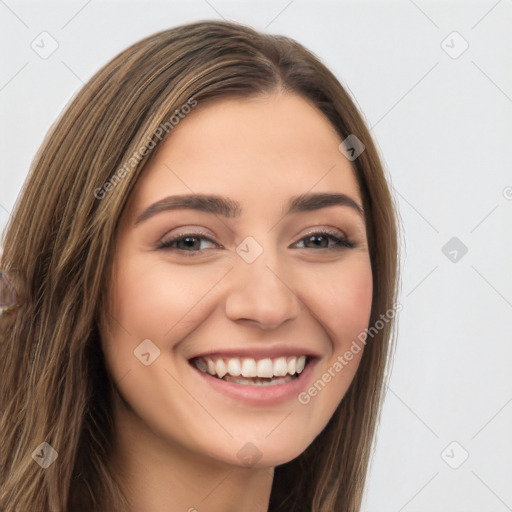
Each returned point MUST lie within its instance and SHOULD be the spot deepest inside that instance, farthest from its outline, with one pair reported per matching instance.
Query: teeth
(234, 367)
(220, 368)
(280, 367)
(250, 368)
(264, 368)
(260, 382)
(211, 366)
(201, 365)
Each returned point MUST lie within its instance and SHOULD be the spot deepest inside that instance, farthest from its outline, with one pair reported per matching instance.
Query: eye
(188, 241)
(316, 237)
(189, 244)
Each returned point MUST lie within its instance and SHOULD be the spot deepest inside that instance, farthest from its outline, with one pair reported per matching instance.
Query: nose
(261, 292)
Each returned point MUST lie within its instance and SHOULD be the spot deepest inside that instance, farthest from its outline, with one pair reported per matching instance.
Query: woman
(144, 371)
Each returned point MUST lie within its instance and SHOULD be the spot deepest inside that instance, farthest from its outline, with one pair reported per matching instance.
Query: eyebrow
(230, 208)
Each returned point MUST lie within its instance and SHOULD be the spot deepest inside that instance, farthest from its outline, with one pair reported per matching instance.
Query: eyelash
(340, 242)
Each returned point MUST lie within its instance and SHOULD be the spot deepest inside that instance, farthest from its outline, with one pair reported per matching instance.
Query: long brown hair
(58, 251)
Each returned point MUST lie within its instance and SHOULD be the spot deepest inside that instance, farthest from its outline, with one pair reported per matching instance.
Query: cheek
(342, 298)
(343, 302)
(151, 300)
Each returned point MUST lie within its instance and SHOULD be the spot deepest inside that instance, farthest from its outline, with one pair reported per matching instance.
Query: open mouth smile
(249, 371)
(261, 380)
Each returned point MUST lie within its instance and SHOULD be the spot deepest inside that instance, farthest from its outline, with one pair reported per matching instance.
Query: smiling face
(253, 280)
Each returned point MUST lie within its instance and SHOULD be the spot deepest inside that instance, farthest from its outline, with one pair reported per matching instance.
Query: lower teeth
(258, 381)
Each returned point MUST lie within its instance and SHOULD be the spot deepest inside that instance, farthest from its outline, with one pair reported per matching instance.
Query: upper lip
(258, 352)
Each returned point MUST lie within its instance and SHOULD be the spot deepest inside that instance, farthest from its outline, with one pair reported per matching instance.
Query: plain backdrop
(434, 82)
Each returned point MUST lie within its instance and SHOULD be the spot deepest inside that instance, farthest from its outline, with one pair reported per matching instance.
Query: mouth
(247, 371)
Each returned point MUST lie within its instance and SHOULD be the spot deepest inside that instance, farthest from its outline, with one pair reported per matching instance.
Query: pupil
(189, 241)
(316, 239)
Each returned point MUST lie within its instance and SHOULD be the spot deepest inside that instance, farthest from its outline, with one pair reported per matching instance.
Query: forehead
(264, 148)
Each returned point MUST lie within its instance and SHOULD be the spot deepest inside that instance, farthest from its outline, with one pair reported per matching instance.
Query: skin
(178, 438)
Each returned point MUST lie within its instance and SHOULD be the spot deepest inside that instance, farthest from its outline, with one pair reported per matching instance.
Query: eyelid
(188, 231)
(327, 230)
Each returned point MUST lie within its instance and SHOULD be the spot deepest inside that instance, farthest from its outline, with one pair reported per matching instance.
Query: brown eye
(186, 243)
(321, 239)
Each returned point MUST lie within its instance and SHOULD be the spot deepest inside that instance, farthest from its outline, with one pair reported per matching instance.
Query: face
(233, 320)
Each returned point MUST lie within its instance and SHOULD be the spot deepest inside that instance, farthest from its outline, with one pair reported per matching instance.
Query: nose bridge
(259, 290)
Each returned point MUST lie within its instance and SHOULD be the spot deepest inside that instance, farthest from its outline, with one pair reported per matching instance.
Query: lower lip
(261, 395)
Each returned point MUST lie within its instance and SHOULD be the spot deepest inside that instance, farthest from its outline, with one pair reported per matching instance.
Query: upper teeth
(248, 367)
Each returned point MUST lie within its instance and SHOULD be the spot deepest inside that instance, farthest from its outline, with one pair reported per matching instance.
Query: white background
(443, 126)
